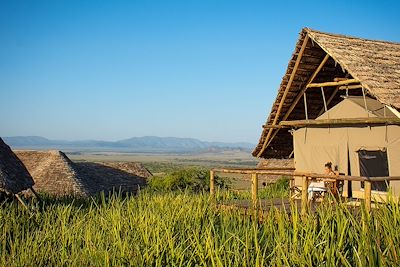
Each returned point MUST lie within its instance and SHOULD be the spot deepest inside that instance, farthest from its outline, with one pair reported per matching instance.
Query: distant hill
(134, 144)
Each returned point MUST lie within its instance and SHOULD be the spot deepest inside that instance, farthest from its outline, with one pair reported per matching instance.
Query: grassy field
(184, 229)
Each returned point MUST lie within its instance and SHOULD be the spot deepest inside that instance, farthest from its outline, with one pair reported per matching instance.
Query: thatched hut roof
(54, 173)
(376, 64)
(106, 177)
(14, 177)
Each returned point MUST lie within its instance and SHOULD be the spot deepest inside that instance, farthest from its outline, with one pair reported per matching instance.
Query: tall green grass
(184, 229)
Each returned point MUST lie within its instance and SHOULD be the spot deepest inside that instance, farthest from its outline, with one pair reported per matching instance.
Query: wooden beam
(254, 170)
(293, 105)
(367, 195)
(327, 84)
(350, 87)
(355, 121)
(304, 195)
(323, 98)
(268, 126)
(278, 112)
(339, 79)
(19, 198)
(319, 68)
(305, 105)
(254, 190)
(212, 183)
(298, 97)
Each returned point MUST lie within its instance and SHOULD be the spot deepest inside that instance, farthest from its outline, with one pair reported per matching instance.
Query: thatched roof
(54, 173)
(376, 64)
(106, 177)
(14, 177)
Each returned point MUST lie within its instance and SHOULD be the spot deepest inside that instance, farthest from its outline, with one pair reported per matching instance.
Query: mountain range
(134, 144)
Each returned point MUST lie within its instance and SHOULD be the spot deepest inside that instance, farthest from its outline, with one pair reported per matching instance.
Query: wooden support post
(212, 183)
(365, 101)
(367, 196)
(305, 105)
(294, 103)
(254, 189)
(22, 202)
(304, 195)
(323, 98)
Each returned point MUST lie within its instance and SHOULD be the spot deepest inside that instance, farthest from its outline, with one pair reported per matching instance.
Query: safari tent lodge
(339, 102)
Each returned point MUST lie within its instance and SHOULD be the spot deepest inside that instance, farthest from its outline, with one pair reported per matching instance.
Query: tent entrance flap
(374, 163)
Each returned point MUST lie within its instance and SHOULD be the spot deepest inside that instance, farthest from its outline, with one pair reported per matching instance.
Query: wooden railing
(305, 182)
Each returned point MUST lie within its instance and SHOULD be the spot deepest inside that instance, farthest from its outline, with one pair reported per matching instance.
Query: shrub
(193, 179)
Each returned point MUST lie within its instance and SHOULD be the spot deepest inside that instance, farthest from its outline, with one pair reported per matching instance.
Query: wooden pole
(305, 105)
(351, 121)
(269, 126)
(22, 202)
(323, 98)
(304, 195)
(212, 183)
(350, 87)
(293, 105)
(367, 196)
(365, 102)
(254, 189)
(326, 84)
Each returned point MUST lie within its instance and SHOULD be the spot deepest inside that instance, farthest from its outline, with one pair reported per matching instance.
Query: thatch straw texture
(376, 64)
(107, 177)
(55, 174)
(14, 177)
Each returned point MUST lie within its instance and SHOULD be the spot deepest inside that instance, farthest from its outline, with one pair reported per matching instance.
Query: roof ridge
(309, 30)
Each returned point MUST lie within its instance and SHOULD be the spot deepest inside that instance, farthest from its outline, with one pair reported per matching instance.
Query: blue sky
(116, 69)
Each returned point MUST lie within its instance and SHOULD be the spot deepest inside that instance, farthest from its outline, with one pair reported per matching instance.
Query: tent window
(374, 164)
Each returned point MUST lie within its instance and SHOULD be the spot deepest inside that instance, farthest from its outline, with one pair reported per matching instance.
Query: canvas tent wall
(14, 177)
(341, 145)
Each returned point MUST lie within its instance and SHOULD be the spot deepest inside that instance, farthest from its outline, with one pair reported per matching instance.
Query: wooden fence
(305, 182)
